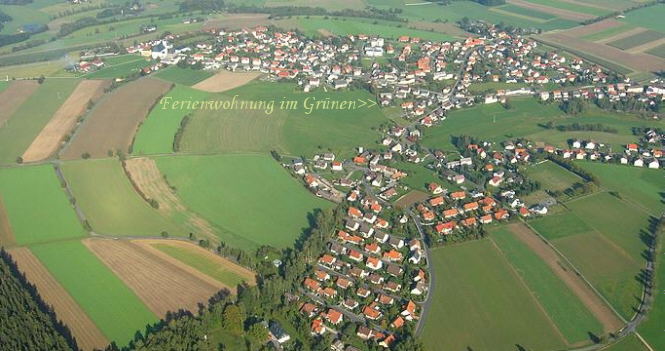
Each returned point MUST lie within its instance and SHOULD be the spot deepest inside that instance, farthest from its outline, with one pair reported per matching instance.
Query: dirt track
(87, 335)
(588, 297)
(6, 235)
(114, 121)
(162, 285)
(226, 80)
(150, 182)
(565, 14)
(48, 140)
(14, 96)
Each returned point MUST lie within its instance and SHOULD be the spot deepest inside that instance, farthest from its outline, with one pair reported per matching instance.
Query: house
(374, 263)
(654, 164)
(335, 317)
(277, 333)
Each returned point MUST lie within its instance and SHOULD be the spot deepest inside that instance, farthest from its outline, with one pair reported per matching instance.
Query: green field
(287, 131)
(184, 76)
(457, 10)
(419, 177)
(111, 305)
(249, 196)
(649, 17)
(483, 305)
(110, 203)
(525, 119)
(3, 85)
(609, 32)
(37, 206)
(652, 328)
(636, 40)
(552, 176)
(527, 12)
(344, 26)
(569, 314)
(202, 264)
(26, 123)
(642, 187)
(601, 235)
(124, 67)
(156, 134)
(629, 343)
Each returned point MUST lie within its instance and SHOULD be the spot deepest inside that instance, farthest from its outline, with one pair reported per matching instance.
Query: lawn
(636, 40)
(37, 206)
(250, 196)
(119, 70)
(26, 122)
(483, 305)
(567, 311)
(110, 203)
(184, 76)
(202, 264)
(156, 134)
(111, 305)
(552, 176)
(288, 131)
(419, 177)
(641, 186)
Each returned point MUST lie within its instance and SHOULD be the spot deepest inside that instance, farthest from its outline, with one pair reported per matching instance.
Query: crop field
(481, 288)
(575, 7)
(232, 192)
(162, 285)
(214, 266)
(225, 80)
(184, 76)
(64, 119)
(36, 205)
(110, 203)
(609, 33)
(119, 70)
(642, 187)
(565, 306)
(658, 51)
(28, 120)
(12, 97)
(629, 343)
(552, 176)
(87, 335)
(535, 14)
(649, 17)
(116, 118)
(156, 134)
(290, 132)
(637, 39)
(111, 305)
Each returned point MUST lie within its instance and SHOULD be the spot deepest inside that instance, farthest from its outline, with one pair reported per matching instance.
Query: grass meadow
(249, 196)
(475, 306)
(290, 132)
(569, 314)
(552, 176)
(26, 122)
(111, 305)
(110, 203)
(649, 17)
(636, 40)
(37, 206)
(184, 76)
(156, 134)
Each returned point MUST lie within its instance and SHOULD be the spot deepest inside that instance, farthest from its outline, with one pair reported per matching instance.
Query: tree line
(26, 321)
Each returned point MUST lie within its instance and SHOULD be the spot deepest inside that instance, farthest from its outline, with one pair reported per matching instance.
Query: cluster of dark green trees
(588, 127)
(4, 18)
(26, 322)
(491, 2)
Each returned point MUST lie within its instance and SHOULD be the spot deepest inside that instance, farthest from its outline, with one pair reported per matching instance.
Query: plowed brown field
(114, 121)
(88, 336)
(226, 80)
(163, 285)
(15, 95)
(62, 122)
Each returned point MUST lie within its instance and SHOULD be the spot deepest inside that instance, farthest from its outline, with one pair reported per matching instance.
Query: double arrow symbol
(366, 102)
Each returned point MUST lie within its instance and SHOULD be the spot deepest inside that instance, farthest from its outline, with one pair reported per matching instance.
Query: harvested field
(410, 198)
(6, 235)
(588, 297)
(648, 46)
(87, 335)
(638, 62)
(163, 285)
(12, 97)
(226, 80)
(245, 20)
(114, 121)
(151, 184)
(565, 14)
(64, 119)
(623, 34)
